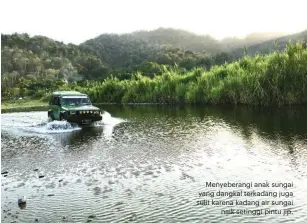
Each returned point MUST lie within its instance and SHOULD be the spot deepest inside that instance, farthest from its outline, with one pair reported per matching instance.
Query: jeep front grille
(90, 113)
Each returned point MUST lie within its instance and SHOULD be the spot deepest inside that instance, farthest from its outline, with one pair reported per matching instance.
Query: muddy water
(149, 164)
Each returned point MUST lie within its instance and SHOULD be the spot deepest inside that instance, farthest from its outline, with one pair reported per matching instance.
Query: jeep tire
(50, 118)
(63, 116)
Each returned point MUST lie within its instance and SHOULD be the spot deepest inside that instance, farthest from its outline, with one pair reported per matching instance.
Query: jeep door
(56, 107)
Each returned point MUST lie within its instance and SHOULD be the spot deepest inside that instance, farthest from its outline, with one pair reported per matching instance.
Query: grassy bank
(21, 104)
(278, 79)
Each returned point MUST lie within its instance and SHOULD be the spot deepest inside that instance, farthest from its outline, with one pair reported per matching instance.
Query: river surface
(154, 164)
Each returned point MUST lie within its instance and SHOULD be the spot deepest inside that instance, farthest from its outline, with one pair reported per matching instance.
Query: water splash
(25, 123)
(36, 123)
(55, 127)
(108, 123)
(108, 119)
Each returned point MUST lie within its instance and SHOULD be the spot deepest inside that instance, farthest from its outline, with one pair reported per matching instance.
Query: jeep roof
(68, 93)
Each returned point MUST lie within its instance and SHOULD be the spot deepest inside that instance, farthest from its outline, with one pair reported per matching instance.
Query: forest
(159, 66)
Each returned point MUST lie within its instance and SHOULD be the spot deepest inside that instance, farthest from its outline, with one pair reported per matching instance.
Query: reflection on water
(78, 138)
(149, 163)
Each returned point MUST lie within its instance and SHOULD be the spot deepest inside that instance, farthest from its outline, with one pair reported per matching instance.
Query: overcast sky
(76, 21)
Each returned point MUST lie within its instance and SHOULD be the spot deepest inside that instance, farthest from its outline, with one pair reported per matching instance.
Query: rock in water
(22, 200)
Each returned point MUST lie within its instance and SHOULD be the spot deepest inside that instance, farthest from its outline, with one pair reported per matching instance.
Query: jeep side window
(56, 101)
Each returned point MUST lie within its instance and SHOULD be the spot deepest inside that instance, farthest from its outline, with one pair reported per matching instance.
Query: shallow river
(155, 164)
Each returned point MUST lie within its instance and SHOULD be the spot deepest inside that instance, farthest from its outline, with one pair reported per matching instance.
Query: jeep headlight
(72, 112)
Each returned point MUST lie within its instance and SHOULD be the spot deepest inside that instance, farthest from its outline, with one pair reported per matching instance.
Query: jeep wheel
(63, 116)
(50, 119)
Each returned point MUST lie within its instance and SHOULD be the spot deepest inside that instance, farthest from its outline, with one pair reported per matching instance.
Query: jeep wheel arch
(50, 114)
(63, 116)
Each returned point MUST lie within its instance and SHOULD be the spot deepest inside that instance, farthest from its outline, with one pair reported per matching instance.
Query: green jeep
(73, 107)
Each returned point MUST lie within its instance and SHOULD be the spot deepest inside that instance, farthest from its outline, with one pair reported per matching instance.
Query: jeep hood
(81, 108)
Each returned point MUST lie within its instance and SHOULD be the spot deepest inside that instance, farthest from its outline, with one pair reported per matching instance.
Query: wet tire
(50, 118)
(63, 116)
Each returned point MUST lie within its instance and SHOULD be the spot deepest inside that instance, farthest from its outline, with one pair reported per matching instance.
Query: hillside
(34, 63)
(127, 50)
(232, 43)
(270, 45)
(178, 38)
(31, 64)
(39, 55)
(160, 45)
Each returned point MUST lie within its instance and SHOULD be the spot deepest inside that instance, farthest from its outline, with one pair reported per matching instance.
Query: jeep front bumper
(84, 119)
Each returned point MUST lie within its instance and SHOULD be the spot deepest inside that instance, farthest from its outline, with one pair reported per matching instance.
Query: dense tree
(38, 58)
(32, 66)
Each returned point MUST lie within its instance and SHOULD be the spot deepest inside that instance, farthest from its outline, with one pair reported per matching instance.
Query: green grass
(21, 103)
(278, 79)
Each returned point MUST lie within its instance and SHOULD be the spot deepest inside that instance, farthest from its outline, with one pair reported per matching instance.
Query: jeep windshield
(75, 100)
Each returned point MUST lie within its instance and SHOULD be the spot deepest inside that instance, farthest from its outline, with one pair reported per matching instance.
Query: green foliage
(161, 66)
(163, 46)
(275, 79)
(38, 59)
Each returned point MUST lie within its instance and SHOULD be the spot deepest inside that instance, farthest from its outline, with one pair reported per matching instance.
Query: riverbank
(277, 79)
(22, 104)
(10, 106)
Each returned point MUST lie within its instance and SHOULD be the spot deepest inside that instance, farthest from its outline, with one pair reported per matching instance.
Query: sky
(75, 21)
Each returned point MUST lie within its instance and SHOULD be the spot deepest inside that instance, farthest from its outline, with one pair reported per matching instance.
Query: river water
(155, 164)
